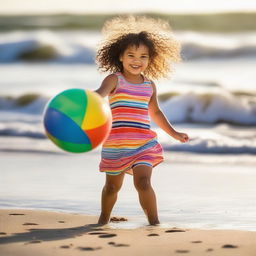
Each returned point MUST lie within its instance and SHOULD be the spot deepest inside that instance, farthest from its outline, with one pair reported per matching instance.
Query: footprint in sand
(61, 221)
(107, 235)
(66, 246)
(121, 245)
(118, 245)
(229, 246)
(17, 214)
(89, 248)
(34, 242)
(196, 242)
(102, 234)
(182, 251)
(29, 224)
(97, 233)
(153, 234)
(3, 233)
(209, 250)
(98, 229)
(174, 230)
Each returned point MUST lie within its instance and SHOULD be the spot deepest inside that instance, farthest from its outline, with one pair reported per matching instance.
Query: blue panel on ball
(64, 128)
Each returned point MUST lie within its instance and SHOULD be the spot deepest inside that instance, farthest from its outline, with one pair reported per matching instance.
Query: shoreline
(26, 232)
(208, 195)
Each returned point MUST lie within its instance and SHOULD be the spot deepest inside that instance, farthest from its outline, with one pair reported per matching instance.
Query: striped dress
(131, 142)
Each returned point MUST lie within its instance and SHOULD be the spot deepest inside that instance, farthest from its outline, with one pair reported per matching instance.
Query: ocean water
(211, 96)
(218, 117)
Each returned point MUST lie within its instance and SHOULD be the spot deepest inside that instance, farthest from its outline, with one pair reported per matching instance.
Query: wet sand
(33, 232)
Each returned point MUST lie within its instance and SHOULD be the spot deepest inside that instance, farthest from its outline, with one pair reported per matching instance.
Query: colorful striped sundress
(131, 142)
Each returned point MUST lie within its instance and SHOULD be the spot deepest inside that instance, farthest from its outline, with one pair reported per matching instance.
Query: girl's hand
(182, 137)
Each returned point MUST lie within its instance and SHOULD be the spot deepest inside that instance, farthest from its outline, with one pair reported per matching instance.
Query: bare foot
(117, 219)
(154, 223)
(103, 220)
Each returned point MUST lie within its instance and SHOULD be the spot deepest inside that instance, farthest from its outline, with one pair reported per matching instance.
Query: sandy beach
(30, 232)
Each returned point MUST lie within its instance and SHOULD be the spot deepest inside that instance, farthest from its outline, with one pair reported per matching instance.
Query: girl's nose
(136, 60)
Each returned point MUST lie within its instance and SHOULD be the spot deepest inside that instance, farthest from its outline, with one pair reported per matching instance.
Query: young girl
(135, 50)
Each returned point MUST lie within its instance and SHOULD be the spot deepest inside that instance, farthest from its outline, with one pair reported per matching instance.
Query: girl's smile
(135, 60)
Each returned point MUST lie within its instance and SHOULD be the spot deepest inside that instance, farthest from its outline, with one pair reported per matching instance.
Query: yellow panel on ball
(97, 111)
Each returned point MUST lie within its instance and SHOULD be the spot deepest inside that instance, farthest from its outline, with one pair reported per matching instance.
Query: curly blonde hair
(124, 31)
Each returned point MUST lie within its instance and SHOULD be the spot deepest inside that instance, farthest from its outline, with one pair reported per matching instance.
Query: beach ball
(77, 120)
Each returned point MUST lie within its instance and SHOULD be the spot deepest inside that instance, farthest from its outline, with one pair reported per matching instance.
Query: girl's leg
(109, 196)
(141, 178)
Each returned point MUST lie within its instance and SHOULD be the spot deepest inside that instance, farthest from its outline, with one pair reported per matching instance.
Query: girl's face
(135, 59)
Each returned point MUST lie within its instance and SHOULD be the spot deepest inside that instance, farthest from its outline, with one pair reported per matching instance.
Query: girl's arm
(108, 85)
(160, 119)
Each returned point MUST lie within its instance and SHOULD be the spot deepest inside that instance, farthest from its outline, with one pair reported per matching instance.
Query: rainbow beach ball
(77, 120)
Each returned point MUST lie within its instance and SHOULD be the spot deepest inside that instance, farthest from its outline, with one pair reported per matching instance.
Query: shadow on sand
(41, 235)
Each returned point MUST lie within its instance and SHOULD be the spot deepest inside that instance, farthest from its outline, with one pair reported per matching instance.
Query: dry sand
(29, 232)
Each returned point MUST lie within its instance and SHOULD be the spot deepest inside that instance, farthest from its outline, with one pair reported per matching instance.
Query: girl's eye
(130, 55)
(144, 57)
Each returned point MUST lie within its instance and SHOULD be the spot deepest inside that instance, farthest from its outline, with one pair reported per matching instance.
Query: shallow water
(198, 195)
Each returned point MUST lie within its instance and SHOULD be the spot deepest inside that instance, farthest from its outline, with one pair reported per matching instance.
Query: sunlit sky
(108, 6)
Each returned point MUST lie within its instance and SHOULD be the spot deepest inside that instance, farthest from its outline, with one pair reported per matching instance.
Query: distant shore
(212, 22)
(30, 232)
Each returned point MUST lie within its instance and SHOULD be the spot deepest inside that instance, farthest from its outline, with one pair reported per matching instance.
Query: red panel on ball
(99, 134)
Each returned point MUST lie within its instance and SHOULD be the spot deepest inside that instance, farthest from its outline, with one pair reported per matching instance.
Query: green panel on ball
(72, 103)
(71, 147)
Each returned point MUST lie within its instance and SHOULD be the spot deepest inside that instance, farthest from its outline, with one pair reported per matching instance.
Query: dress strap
(146, 80)
(120, 77)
